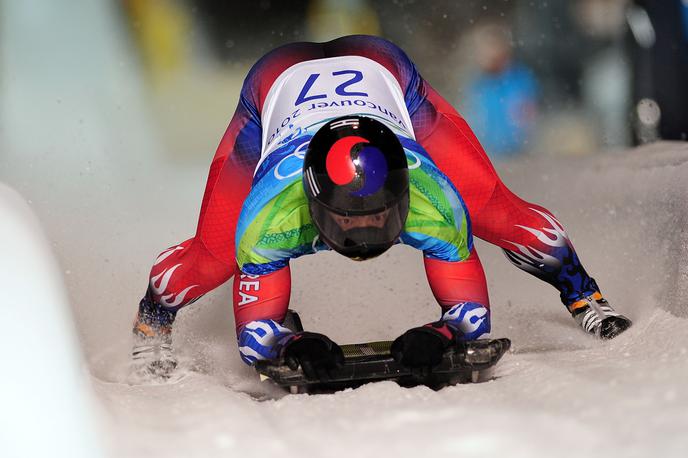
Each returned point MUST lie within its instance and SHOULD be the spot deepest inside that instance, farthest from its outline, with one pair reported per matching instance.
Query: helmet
(357, 182)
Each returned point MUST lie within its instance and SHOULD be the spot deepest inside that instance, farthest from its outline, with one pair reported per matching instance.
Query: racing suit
(254, 215)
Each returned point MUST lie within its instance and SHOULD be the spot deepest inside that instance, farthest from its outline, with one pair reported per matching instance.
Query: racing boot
(152, 354)
(594, 314)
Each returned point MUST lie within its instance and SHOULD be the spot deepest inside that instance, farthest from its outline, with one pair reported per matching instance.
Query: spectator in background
(501, 99)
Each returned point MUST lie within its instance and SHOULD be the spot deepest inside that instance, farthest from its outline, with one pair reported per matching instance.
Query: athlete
(342, 145)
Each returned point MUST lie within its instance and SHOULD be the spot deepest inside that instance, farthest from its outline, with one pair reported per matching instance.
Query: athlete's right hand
(315, 353)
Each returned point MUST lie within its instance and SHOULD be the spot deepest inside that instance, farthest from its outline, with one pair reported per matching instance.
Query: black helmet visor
(360, 236)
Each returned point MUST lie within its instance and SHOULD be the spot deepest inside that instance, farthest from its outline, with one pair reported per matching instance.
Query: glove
(423, 346)
(315, 353)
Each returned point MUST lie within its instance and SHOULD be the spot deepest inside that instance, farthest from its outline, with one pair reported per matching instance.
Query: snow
(43, 387)
(559, 392)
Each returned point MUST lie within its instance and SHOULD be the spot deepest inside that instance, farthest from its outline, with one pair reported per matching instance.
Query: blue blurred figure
(501, 100)
(685, 17)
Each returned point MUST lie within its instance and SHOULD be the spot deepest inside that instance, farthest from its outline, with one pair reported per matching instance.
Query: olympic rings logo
(296, 165)
(416, 164)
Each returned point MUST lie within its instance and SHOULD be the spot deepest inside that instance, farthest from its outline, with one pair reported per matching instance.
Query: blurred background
(531, 76)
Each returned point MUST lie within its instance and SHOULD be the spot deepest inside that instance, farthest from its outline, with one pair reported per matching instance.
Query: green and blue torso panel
(275, 224)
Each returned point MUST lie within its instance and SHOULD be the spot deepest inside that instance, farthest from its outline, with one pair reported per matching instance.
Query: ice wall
(47, 407)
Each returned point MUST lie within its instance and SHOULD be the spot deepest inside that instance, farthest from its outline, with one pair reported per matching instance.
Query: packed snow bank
(560, 392)
(47, 408)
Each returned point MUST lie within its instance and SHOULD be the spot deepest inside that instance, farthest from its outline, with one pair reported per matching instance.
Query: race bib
(313, 92)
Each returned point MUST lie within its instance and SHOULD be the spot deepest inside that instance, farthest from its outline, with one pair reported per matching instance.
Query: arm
(438, 224)
(260, 304)
(461, 290)
(531, 236)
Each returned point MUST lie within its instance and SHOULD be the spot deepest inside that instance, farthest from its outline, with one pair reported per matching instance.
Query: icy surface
(559, 393)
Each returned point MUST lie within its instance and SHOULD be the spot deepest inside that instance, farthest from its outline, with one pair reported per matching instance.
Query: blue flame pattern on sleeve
(262, 339)
(470, 318)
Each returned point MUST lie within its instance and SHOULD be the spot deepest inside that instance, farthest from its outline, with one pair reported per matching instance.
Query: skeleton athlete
(342, 145)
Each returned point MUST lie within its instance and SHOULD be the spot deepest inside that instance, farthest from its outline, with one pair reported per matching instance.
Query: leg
(533, 239)
(530, 235)
(461, 290)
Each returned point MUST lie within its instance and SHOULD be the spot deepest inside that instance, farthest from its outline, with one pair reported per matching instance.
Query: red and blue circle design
(344, 165)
